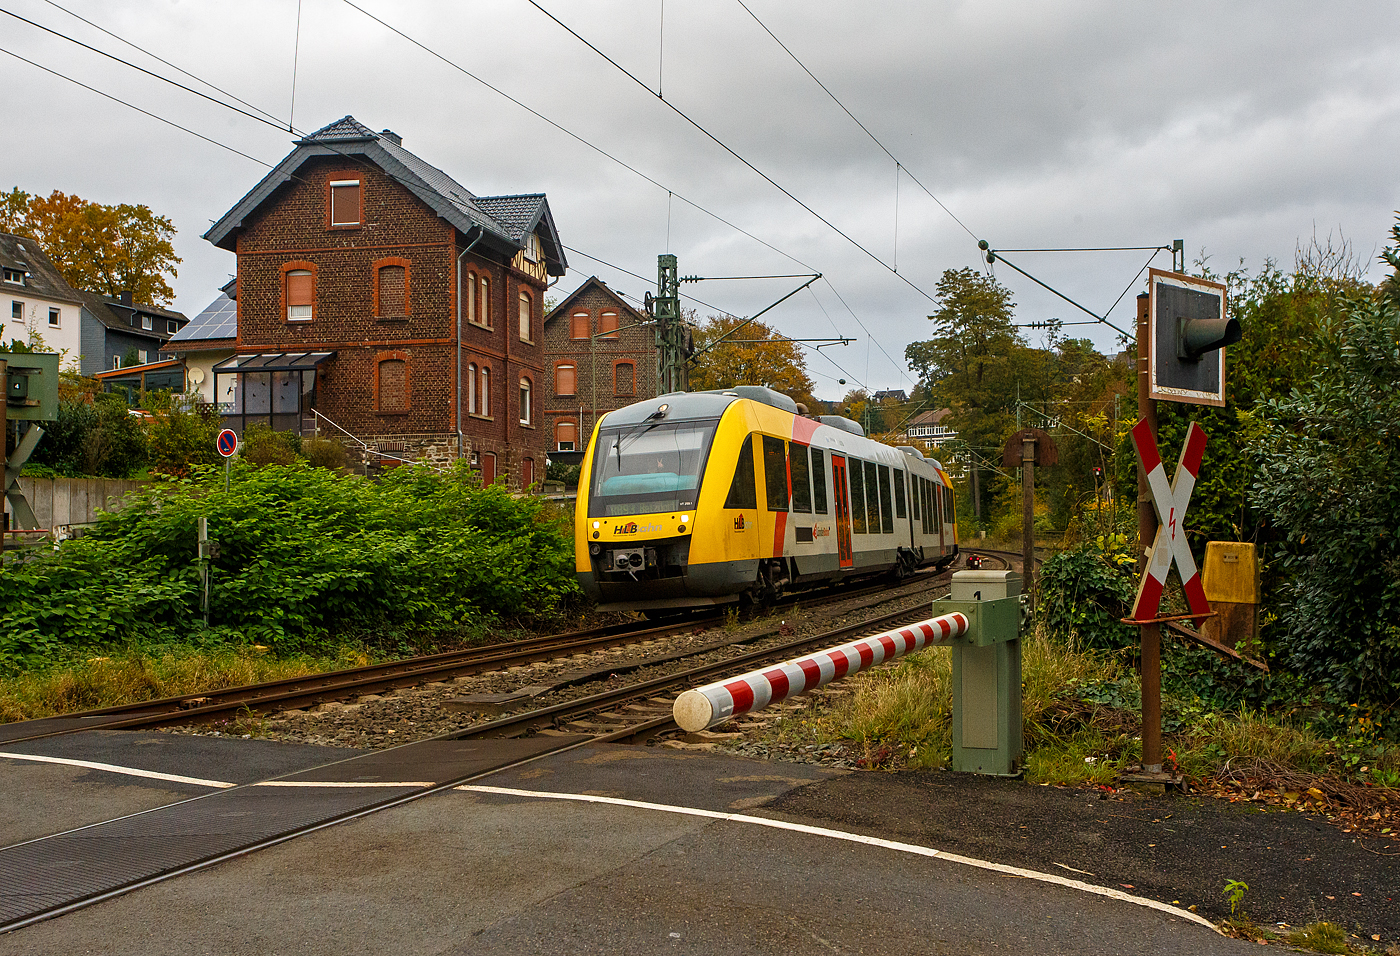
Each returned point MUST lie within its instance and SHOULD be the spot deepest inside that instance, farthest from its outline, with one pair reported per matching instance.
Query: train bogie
(705, 498)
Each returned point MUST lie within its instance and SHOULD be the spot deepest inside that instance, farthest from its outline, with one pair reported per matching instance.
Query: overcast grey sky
(1239, 127)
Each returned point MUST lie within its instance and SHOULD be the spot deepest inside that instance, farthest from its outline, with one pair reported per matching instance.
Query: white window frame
(310, 308)
(359, 206)
(526, 306)
(526, 395)
(532, 248)
(55, 317)
(147, 323)
(18, 275)
(171, 326)
(16, 310)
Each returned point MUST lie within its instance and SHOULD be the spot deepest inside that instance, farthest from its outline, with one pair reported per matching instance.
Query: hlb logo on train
(632, 527)
(739, 522)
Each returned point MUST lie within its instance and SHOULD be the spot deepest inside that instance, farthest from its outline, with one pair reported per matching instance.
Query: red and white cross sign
(1170, 501)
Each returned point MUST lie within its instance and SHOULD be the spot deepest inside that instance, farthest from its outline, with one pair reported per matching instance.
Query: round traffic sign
(227, 443)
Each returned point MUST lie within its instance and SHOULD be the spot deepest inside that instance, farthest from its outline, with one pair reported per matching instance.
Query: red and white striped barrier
(715, 703)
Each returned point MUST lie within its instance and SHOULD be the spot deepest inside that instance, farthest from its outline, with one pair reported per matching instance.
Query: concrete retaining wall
(60, 501)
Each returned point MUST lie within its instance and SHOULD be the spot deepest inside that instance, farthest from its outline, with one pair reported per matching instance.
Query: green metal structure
(31, 395)
(987, 726)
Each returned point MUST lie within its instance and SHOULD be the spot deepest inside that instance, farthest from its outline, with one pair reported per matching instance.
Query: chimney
(124, 297)
(392, 137)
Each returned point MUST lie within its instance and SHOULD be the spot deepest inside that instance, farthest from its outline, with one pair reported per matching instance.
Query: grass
(1081, 724)
(1321, 938)
(133, 676)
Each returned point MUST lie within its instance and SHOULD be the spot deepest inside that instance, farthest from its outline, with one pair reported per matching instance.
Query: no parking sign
(227, 443)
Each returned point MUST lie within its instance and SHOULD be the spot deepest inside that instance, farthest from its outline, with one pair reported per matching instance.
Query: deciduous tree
(98, 248)
(779, 365)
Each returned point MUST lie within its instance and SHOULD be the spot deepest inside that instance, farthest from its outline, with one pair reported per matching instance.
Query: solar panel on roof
(218, 321)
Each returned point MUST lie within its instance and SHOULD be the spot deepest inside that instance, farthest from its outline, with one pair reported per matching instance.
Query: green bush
(1085, 593)
(306, 555)
(1329, 481)
(263, 446)
(324, 453)
(182, 435)
(99, 439)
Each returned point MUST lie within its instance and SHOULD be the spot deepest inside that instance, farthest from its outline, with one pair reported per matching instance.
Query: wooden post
(1151, 634)
(1028, 516)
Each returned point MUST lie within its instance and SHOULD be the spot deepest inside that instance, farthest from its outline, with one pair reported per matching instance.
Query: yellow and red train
(703, 498)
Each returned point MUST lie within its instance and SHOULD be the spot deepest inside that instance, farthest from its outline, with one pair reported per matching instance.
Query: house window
(525, 410)
(392, 385)
(484, 313)
(624, 378)
(17, 310)
(565, 380)
(345, 202)
(527, 474)
(525, 316)
(300, 295)
(484, 405)
(53, 317)
(469, 294)
(532, 247)
(116, 361)
(578, 325)
(566, 436)
(391, 287)
(171, 327)
(607, 325)
(147, 323)
(14, 276)
(471, 389)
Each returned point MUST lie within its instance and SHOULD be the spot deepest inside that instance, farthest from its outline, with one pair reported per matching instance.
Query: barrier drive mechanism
(981, 623)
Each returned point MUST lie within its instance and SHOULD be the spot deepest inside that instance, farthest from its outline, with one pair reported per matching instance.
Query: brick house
(381, 302)
(601, 354)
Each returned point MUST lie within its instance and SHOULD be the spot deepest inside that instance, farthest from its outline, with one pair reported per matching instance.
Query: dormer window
(14, 276)
(344, 202)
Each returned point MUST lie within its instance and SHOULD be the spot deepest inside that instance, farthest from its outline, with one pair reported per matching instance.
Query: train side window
(886, 512)
(819, 481)
(743, 492)
(948, 514)
(926, 490)
(935, 500)
(775, 475)
(872, 497)
(856, 479)
(801, 478)
(914, 493)
(899, 511)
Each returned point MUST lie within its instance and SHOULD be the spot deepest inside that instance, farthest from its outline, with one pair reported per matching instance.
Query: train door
(843, 511)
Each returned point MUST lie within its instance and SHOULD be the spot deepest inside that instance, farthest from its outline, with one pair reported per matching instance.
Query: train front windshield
(642, 469)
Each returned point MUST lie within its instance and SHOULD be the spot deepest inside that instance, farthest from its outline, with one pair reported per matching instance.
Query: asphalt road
(608, 849)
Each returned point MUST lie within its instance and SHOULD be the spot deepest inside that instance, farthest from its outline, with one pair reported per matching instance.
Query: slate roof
(504, 220)
(568, 300)
(111, 313)
(41, 277)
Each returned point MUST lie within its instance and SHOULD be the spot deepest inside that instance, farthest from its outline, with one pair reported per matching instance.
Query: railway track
(311, 690)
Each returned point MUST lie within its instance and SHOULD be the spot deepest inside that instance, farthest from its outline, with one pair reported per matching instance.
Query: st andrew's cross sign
(1170, 502)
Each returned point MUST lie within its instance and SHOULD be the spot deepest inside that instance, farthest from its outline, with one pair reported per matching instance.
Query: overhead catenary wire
(278, 125)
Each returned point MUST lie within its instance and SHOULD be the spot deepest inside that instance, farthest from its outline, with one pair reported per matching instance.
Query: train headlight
(595, 549)
(685, 519)
(595, 526)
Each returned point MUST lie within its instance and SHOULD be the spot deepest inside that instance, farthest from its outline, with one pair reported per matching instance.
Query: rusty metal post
(1028, 516)
(1151, 634)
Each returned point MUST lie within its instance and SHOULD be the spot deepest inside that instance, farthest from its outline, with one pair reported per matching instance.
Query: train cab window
(775, 477)
(886, 512)
(856, 479)
(801, 478)
(948, 515)
(743, 492)
(872, 498)
(819, 481)
(649, 468)
(899, 493)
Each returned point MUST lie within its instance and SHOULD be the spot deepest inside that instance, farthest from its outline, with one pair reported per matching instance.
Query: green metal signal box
(31, 386)
(987, 727)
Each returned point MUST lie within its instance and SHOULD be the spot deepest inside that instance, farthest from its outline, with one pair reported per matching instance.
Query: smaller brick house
(380, 301)
(601, 354)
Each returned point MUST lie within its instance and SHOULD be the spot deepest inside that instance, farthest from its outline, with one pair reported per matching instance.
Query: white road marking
(129, 771)
(1002, 868)
(345, 783)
